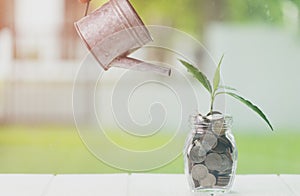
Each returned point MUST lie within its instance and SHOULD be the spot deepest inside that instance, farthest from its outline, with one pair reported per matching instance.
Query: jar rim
(200, 121)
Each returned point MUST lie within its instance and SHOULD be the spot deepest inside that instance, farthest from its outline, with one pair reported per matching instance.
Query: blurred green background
(192, 16)
(59, 150)
(261, 41)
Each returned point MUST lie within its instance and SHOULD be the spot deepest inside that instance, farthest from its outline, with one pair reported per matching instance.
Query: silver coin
(220, 147)
(214, 161)
(209, 141)
(196, 183)
(199, 172)
(226, 172)
(197, 155)
(218, 126)
(197, 136)
(223, 180)
(202, 150)
(225, 145)
(198, 119)
(200, 129)
(226, 163)
(224, 140)
(208, 181)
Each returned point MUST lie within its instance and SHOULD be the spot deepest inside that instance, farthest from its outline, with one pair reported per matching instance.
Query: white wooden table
(138, 185)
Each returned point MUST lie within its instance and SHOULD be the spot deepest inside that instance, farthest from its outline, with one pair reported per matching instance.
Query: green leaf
(217, 75)
(227, 88)
(252, 106)
(198, 75)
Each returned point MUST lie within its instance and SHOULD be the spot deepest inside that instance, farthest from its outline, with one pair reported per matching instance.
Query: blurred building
(39, 54)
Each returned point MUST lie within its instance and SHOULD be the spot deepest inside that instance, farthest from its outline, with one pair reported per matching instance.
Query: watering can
(112, 32)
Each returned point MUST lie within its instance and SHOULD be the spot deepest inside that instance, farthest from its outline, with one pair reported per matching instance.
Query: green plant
(216, 89)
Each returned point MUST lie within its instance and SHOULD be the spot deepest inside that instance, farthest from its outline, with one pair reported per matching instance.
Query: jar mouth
(211, 117)
(218, 122)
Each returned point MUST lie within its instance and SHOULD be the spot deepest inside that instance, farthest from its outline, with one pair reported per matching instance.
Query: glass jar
(210, 154)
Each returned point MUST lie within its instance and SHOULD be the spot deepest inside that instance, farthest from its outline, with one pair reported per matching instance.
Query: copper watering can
(114, 31)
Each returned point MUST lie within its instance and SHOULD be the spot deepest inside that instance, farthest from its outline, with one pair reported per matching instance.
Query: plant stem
(212, 103)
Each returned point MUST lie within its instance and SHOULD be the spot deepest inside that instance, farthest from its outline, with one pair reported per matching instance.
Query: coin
(226, 163)
(202, 151)
(198, 119)
(226, 172)
(225, 143)
(209, 141)
(197, 154)
(223, 180)
(220, 147)
(196, 183)
(213, 161)
(200, 128)
(199, 172)
(225, 140)
(208, 181)
(218, 126)
(197, 136)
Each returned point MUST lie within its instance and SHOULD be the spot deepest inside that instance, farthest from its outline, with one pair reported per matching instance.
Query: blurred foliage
(269, 11)
(193, 15)
(59, 150)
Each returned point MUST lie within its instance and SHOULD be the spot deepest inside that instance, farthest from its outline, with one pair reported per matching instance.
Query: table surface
(138, 185)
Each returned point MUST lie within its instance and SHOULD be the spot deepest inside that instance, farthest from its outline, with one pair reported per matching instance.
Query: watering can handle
(87, 7)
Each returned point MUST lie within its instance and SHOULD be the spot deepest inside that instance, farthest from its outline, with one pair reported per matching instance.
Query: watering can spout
(134, 64)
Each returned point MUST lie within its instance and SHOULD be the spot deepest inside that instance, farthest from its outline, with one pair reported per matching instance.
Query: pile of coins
(210, 154)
